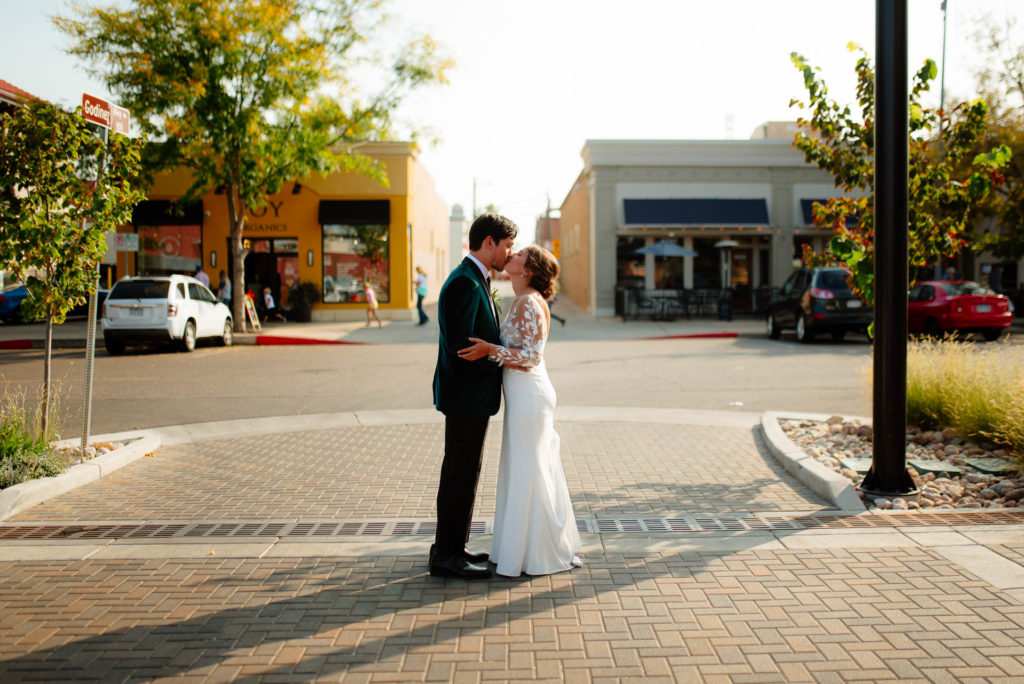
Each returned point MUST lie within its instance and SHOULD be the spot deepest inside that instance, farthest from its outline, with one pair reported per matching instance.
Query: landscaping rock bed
(951, 472)
(75, 454)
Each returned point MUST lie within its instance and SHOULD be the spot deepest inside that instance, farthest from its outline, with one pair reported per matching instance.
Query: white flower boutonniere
(497, 300)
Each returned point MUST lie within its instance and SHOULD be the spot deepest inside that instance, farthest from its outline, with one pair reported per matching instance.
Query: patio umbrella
(666, 248)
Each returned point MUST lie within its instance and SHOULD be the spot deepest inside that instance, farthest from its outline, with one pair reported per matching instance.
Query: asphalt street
(156, 388)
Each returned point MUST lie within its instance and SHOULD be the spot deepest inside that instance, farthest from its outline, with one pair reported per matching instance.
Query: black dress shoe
(475, 557)
(458, 567)
(466, 553)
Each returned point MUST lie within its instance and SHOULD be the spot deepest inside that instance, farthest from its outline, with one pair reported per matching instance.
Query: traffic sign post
(108, 116)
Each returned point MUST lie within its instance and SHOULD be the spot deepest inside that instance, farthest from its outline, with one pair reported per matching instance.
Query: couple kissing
(479, 358)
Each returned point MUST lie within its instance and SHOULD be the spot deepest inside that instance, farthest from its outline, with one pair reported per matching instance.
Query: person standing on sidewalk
(421, 292)
(468, 393)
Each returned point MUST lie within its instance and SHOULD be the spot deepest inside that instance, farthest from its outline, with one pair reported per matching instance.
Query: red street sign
(105, 114)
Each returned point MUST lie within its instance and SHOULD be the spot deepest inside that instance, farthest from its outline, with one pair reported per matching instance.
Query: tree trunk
(236, 217)
(44, 407)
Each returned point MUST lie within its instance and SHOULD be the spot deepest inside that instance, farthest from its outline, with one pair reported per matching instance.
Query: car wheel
(992, 334)
(114, 347)
(188, 338)
(803, 331)
(773, 328)
(932, 328)
(226, 337)
(838, 335)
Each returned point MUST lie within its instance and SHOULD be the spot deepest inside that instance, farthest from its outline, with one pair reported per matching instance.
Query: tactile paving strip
(377, 528)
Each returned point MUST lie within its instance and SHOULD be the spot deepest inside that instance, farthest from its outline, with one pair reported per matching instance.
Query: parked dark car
(937, 307)
(818, 300)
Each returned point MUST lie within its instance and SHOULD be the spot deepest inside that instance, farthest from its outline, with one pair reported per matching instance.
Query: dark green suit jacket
(466, 388)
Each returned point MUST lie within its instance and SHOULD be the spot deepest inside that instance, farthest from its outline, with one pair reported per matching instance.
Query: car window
(966, 287)
(181, 290)
(832, 280)
(140, 289)
(927, 293)
(787, 287)
(195, 292)
(915, 294)
(800, 283)
(206, 295)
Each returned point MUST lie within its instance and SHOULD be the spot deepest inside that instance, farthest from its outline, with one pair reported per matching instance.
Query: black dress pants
(460, 471)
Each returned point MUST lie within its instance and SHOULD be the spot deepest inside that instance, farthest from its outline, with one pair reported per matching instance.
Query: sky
(535, 79)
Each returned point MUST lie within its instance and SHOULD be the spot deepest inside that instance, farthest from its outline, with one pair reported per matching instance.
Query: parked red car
(936, 307)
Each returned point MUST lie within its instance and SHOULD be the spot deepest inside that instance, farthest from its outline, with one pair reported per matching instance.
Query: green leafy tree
(251, 94)
(61, 189)
(1001, 83)
(947, 179)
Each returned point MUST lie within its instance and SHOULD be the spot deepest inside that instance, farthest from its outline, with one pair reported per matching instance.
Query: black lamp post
(888, 475)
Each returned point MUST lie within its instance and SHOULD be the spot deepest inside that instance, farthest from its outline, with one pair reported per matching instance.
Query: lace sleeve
(526, 343)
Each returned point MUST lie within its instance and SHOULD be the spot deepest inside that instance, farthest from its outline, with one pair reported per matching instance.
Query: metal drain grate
(378, 528)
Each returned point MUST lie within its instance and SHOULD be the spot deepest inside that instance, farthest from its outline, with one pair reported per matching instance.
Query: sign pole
(107, 116)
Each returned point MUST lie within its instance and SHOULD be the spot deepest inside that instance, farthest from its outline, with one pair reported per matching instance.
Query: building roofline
(734, 153)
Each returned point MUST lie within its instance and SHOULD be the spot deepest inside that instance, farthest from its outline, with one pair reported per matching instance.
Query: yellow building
(337, 231)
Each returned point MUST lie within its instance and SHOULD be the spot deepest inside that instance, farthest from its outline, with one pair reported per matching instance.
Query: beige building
(704, 195)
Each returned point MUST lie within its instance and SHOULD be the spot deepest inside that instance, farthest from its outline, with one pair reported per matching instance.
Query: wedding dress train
(534, 525)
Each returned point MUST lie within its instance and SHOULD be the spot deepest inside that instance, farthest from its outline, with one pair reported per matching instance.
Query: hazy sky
(534, 79)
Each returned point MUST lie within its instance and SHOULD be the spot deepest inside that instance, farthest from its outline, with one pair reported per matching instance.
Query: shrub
(977, 392)
(25, 452)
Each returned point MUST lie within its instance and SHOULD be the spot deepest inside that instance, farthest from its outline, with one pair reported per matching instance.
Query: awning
(355, 212)
(166, 213)
(699, 212)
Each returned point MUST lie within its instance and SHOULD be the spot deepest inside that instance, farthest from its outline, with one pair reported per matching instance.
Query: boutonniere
(497, 300)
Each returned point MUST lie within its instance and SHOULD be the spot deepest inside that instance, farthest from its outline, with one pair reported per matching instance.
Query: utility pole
(942, 103)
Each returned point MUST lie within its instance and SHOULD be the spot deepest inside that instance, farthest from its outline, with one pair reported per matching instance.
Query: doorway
(273, 263)
(741, 272)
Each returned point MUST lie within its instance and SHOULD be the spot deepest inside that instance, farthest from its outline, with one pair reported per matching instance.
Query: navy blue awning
(700, 212)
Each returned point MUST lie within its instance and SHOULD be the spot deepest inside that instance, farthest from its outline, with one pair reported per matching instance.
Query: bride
(534, 525)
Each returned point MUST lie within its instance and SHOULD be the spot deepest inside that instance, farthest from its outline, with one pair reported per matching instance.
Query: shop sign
(125, 242)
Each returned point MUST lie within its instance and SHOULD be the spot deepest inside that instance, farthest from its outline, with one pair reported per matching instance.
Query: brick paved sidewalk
(743, 603)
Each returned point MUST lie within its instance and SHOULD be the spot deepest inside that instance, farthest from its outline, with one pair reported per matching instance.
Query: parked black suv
(818, 300)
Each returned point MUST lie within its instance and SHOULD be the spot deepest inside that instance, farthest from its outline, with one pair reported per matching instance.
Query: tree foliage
(61, 190)
(251, 94)
(947, 178)
(1001, 83)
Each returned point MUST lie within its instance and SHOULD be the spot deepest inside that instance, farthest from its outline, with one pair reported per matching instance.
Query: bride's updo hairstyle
(544, 269)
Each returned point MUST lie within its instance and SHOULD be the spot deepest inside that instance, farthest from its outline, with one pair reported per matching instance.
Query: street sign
(556, 248)
(125, 242)
(105, 114)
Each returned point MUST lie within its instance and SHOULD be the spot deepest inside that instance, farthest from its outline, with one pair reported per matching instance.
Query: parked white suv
(175, 308)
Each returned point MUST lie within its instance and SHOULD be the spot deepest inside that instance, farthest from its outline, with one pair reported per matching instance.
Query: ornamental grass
(25, 452)
(976, 390)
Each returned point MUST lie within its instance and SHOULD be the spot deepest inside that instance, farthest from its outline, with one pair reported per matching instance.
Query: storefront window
(164, 250)
(353, 254)
(630, 266)
(707, 269)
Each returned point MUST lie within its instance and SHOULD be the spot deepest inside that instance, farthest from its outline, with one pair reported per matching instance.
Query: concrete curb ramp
(801, 465)
(15, 499)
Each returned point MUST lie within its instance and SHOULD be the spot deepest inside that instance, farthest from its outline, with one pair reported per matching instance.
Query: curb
(33, 343)
(803, 467)
(274, 340)
(27, 494)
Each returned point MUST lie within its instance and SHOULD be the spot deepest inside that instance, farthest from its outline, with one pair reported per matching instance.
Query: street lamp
(725, 302)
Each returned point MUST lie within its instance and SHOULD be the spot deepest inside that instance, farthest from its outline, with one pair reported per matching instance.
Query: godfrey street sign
(105, 114)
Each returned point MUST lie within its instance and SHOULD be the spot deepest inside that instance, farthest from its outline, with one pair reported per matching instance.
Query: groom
(468, 393)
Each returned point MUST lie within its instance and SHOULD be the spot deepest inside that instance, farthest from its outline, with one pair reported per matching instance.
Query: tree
(61, 190)
(946, 180)
(1001, 84)
(251, 94)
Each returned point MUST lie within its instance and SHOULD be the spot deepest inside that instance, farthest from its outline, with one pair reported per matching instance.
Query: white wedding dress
(534, 525)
